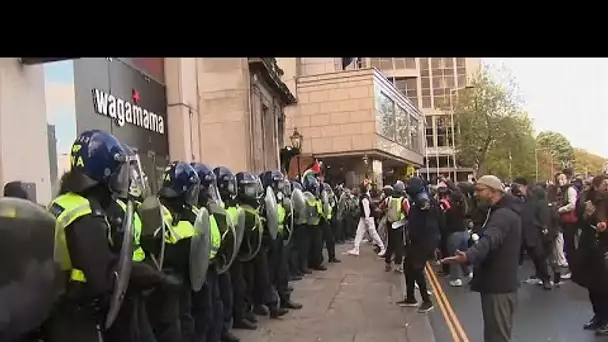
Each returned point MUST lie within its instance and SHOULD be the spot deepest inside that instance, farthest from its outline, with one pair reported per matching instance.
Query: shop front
(112, 95)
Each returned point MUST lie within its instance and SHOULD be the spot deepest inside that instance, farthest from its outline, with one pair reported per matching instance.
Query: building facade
(432, 84)
(218, 111)
(353, 119)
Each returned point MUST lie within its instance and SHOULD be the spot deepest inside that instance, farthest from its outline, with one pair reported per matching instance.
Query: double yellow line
(451, 320)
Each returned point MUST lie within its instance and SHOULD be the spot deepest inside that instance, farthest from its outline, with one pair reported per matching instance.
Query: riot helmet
(387, 191)
(208, 189)
(287, 187)
(248, 186)
(296, 185)
(180, 181)
(311, 184)
(98, 157)
(139, 187)
(226, 182)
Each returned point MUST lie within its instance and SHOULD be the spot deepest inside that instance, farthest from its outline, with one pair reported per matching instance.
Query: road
(350, 302)
(556, 315)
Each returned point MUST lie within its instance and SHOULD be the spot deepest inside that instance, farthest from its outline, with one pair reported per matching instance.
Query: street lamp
(296, 140)
(452, 91)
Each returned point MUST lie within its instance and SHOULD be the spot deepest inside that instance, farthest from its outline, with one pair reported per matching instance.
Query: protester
(366, 223)
(495, 258)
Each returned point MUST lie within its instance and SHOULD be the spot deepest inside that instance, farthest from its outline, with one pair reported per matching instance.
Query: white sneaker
(456, 283)
(353, 252)
(567, 275)
(470, 276)
(382, 252)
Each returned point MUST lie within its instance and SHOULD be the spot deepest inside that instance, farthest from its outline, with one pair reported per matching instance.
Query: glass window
(439, 101)
(386, 63)
(448, 72)
(425, 83)
(414, 100)
(462, 81)
(438, 92)
(426, 92)
(448, 62)
(402, 123)
(426, 102)
(441, 131)
(414, 135)
(385, 116)
(401, 85)
(462, 71)
(449, 81)
(460, 62)
(436, 63)
(424, 63)
(430, 142)
(410, 63)
(424, 73)
(400, 63)
(438, 82)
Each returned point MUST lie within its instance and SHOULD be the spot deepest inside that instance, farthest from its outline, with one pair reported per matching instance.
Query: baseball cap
(491, 182)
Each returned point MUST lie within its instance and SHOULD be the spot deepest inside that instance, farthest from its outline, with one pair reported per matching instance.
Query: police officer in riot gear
(314, 224)
(218, 285)
(226, 183)
(94, 242)
(277, 258)
(300, 240)
(259, 287)
(179, 196)
(328, 225)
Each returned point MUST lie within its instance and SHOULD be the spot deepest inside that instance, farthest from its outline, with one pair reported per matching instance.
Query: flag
(313, 170)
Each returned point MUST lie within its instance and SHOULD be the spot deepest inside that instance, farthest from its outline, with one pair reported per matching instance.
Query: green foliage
(494, 133)
(558, 146)
(586, 163)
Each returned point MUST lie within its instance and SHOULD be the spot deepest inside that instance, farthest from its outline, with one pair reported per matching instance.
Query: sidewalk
(352, 301)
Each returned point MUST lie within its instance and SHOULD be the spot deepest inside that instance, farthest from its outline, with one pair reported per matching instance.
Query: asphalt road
(556, 315)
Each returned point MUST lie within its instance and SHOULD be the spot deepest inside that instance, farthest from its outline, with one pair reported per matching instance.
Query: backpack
(395, 211)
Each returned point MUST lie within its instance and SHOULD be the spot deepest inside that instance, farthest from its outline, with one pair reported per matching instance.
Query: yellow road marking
(444, 311)
(440, 294)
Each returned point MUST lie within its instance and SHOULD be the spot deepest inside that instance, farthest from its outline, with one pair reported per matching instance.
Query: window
(409, 88)
(439, 92)
(385, 63)
(424, 73)
(444, 131)
(414, 135)
(449, 81)
(425, 83)
(426, 102)
(436, 63)
(430, 142)
(449, 62)
(400, 63)
(410, 63)
(402, 123)
(424, 64)
(448, 72)
(462, 71)
(426, 92)
(385, 116)
(440, 101)
(462, 81)
(438, 82)
(460, 62)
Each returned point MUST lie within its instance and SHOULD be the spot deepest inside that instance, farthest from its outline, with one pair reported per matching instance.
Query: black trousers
(599, 302)
(132, 323)
(414, 274)
(224, 281)
(291, 254)
(395, 245)
(279, 269)
(497, 310)
(302, 242)
(263, 291)
(539, 259)
(162, 307)
(239, 291)
(69, 322)
(315, 254)
(207, 309)
(338, 229)
(329, 240)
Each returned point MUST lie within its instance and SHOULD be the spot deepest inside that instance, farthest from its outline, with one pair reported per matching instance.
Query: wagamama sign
(125, 111)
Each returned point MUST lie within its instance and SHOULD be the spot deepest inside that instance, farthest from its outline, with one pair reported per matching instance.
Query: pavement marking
(449, 313)
(444, 311)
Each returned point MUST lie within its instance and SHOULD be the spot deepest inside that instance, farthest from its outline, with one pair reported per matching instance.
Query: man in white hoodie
(366, 223)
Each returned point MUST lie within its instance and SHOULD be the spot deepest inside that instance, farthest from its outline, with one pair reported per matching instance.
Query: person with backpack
(397, 207)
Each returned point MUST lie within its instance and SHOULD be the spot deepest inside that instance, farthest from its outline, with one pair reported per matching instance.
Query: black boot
(251, 317)
(306, 271)
(295, 277)
(288, 304)
(593, 324)
(260, 310)
(334, 260)
(277, 312)
(245, 325)
(320, 268)
(229, 337)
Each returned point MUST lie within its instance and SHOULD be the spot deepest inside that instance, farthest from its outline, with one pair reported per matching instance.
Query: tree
(586, 163)
(558, 146)
(492, 126)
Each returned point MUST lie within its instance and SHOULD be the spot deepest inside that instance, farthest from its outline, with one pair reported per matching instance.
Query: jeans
(458, 241)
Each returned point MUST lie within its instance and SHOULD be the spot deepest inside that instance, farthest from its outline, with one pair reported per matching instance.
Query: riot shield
(288, 232)
(239, 227)
(123, 271)
(325, 201)
(252, 237)
(200, 245)
(272, 217)
(228, 248)
(152, 226)
(30, 279)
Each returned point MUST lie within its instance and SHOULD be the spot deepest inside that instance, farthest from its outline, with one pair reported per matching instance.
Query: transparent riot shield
(152, 226)
(325, 202)
(272, 217)
(288, 231)
(239, 220)
(30, 279)
(228, 248)
(252, 237)
(123, 271)
(200, 245)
